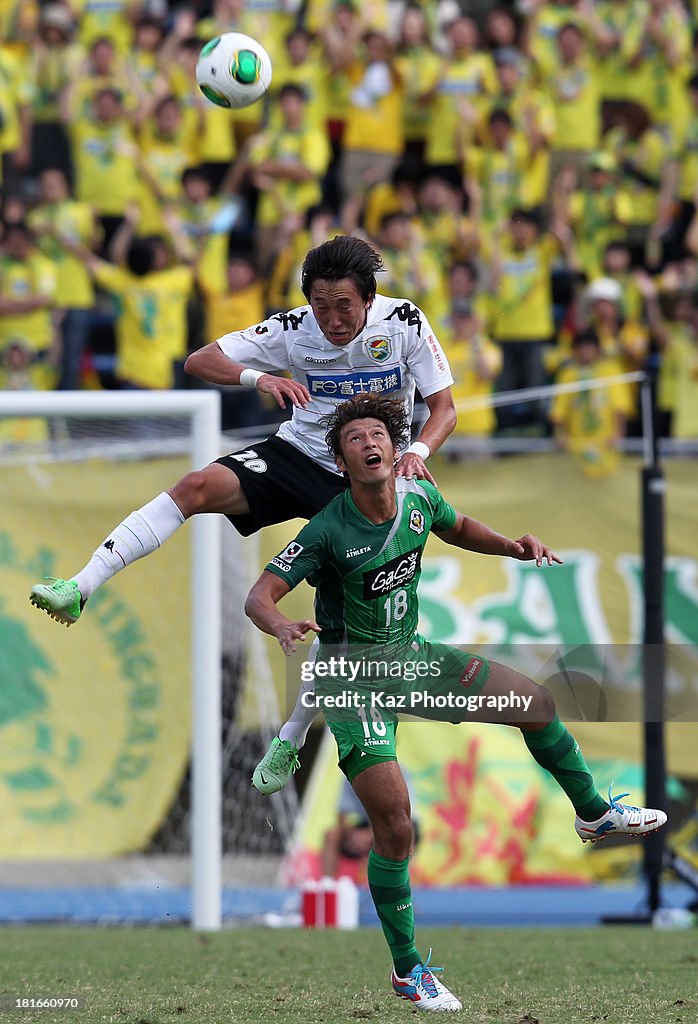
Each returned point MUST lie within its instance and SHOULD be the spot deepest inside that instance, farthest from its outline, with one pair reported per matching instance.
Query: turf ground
(626, 975)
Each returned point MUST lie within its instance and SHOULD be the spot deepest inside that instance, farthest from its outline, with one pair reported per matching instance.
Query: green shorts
(435, 685)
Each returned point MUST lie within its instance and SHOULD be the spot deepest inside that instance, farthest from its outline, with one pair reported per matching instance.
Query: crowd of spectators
(529, 173)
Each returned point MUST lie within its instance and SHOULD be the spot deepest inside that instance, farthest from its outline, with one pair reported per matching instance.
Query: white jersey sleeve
(262, 347)
(427, 360)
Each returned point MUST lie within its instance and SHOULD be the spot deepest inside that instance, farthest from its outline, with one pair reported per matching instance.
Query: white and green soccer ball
(233, 70)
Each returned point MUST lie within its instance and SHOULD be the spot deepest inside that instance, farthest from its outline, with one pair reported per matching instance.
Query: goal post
(203, 410)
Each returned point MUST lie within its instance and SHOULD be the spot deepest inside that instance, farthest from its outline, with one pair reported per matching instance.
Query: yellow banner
(474, 782)
(94, 719)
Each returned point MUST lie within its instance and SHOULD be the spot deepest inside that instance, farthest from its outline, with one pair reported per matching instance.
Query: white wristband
(249, 378)
(419, 448)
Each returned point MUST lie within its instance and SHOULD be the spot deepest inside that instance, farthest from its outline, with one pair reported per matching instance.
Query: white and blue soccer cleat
(620, 819)
(424, 990)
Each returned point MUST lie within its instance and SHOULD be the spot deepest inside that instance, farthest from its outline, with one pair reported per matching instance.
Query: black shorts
(280, 483)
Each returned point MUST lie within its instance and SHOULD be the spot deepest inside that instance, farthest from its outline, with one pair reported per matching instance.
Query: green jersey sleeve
(302, 556)
(444, 515)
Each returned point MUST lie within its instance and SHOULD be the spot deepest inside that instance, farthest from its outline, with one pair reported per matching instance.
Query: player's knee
(192, 493)
(392, 835)
(542, 705)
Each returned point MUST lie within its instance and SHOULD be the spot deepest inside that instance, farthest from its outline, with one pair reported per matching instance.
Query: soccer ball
(233, 70)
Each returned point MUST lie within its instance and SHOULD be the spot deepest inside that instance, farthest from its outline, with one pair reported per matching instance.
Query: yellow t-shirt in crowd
(470, 78)
(685, 421)
(378, 128)
(374, 14)
(528, 108)
(35, 276)
(544, 31)
(165, 159)
(233, 311)
(680, 337)
(105, 173)
(597, 218)
(215, 141)
(649, 154)
(465, 357)
(625, 20)
(310, 76)
(151, 326)
(16, 91)
(110, 18)
(500, 174)
(51, 70)
(417, 274)
(575, 94)
(418, 68)
(308, 147)
(75, 223)
(590, 418)
(687, 156)
(523, 303)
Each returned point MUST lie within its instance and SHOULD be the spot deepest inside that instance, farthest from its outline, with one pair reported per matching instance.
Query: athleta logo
(407, 314)
(395, 573)
(403, 906)
(353, 552)
(289, 321)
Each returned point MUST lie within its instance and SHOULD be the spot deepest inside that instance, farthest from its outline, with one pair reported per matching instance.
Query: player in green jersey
(362, 553)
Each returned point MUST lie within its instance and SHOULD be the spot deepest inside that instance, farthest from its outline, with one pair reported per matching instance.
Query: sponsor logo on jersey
(378, 349)
(292, 551)
(280, 565)
(360, 382)
(290, 321)
(471, 670)
(261, 329)
(416, 522)
(354, 552)
(409, 314)
(312, 359)
(398, 572)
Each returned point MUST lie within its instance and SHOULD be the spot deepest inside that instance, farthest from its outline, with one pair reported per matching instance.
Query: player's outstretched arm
(260, 606)
(475, 536)
(211, 364)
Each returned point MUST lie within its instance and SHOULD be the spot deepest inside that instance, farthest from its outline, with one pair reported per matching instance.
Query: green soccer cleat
(61, 599)
(276, 767)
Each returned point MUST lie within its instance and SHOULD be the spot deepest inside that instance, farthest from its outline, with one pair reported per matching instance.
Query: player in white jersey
(346, 341)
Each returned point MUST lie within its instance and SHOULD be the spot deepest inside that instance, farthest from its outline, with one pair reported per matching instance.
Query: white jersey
(396, 351)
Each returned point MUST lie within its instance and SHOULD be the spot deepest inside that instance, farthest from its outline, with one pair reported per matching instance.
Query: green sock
(389, 882)
(556, 750)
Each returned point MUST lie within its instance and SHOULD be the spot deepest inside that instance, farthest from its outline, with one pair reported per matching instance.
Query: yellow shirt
(378, 128)
(307, 147)
(471, 78)
(685, 423)
(374, 14)
(151, 327)
(688, 161)
(35, 276)
(200, 219)
(418, 68)
(15, 91)
(465, 356)
(528, 108)
(672, 363)
(165, 159)
(523, 299)
(215, 142)
(75, 223)
(598, 218)
(109, 18)
(544, 32)
(417, 274)
(648, 154)
(589, 415)
(18, 22)
(500, 174)
(310, 76)
(51, 71)
(105, 171)
(574, 92)
(233, 311)
(626, 20)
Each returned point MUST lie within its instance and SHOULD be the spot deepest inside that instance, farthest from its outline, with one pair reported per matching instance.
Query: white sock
(295, 730)
(139, 534)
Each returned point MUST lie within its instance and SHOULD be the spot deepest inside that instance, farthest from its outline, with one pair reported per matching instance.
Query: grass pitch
(627, 975)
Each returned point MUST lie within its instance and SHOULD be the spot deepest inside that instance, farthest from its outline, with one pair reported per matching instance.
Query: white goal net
(127, 741)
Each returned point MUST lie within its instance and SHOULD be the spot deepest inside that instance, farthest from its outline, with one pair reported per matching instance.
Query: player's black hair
(527, 214)
(342, 257)
(500, 116)
(392, 216)
(390, 412)
(586, 337)
(291, 89)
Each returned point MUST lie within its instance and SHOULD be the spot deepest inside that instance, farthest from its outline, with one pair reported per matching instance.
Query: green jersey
(365, 575)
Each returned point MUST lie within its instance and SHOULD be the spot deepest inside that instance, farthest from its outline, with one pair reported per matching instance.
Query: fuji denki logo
(396, 573)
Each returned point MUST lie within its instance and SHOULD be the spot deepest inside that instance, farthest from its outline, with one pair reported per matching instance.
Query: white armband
(419, 448)
(249, 378)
